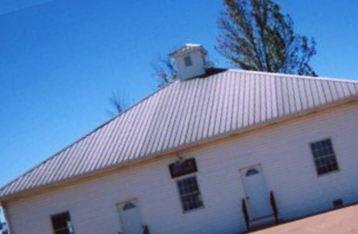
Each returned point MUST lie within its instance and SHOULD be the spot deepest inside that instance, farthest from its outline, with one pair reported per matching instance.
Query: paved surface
(339, 221)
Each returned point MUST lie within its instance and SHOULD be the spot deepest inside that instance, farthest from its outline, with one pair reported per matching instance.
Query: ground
(344, 220)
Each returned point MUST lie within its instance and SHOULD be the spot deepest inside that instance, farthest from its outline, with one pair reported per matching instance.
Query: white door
(130, 219)
(257, 194)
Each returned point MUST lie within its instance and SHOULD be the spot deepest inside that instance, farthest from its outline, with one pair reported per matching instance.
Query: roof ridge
(297, 76)
(2, 188)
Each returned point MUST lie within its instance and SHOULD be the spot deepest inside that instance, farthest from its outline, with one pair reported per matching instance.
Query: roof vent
(190, 61)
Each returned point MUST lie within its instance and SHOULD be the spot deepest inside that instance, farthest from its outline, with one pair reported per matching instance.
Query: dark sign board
(183, 168)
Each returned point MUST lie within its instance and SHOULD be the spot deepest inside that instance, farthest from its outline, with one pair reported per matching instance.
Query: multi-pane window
(189, 193)
(324, 156)
(61, 223)
(188, 188)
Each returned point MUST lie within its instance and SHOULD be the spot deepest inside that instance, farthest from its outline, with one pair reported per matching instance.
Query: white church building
(216, 151)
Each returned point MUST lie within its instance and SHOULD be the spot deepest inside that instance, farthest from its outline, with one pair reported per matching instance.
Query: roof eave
(106, 170)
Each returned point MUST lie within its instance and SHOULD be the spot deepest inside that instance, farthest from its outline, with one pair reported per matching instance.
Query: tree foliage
(256, 35)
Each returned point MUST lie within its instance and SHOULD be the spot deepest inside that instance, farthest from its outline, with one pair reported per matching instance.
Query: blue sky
(61, 60)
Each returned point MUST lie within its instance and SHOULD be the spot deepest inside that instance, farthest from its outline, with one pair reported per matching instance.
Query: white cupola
(190, 61)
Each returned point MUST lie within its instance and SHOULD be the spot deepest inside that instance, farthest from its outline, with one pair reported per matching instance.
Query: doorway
(257, 193)
(130, 217)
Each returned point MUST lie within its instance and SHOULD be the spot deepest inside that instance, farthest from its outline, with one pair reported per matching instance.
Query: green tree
(256, 35)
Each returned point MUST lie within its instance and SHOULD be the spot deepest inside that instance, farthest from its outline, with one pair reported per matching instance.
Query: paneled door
(257, 194)
(130, 217)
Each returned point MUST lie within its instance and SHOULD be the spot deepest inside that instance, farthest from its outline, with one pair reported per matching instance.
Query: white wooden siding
(283, 152)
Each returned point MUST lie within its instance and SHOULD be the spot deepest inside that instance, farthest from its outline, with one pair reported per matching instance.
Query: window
(252, 171)
(187, 61)
(61, 223)
(128, 206)
(324, 156)
(189, 193)
(187, 184)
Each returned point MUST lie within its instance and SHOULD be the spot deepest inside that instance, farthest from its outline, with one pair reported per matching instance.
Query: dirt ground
(344, 220)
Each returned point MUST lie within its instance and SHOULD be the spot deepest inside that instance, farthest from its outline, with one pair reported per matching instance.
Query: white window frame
(176, 180)
(332, 154)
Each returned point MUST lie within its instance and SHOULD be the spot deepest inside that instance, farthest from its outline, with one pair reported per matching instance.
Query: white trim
(194, 174)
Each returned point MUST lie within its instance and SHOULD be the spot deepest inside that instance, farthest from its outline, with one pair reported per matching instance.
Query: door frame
(243, 183)
(119, 210)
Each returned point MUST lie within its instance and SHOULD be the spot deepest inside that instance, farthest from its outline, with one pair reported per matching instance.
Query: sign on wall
(183, 168)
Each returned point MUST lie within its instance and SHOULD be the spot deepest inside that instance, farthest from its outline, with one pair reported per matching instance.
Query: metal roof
(185, 113)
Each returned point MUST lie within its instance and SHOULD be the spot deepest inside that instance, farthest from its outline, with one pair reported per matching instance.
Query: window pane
(324, 156)
(189, 193)
(251, 172)
(128, 206)
(61, 223)
(191, 202)
(60, 220)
